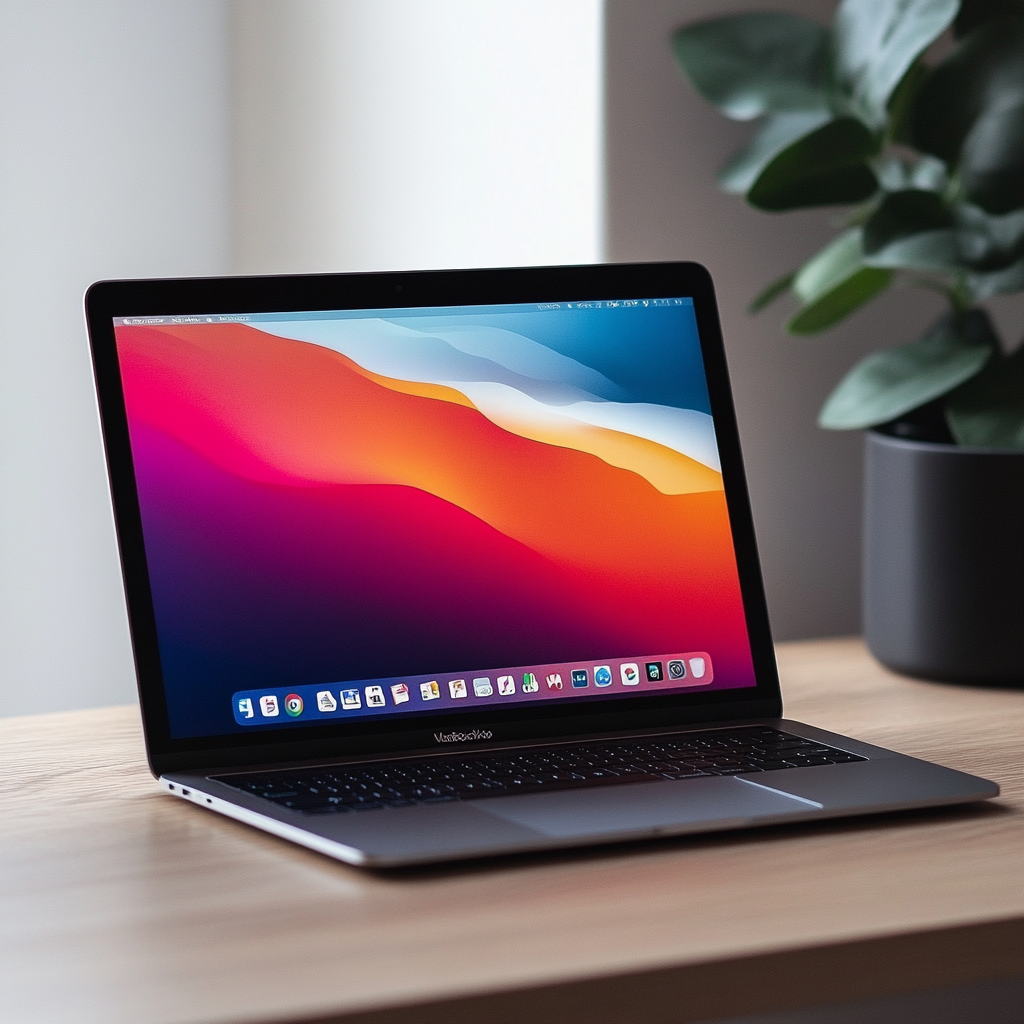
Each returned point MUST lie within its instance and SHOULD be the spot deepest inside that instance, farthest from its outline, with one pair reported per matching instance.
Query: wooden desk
(121, 904)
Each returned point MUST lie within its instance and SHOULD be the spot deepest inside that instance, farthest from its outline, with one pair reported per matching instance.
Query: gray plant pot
(944, 560)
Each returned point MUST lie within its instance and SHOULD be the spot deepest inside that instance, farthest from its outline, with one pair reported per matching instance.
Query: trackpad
(646, 806)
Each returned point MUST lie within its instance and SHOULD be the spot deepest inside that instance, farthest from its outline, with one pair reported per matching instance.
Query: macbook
(426, 566)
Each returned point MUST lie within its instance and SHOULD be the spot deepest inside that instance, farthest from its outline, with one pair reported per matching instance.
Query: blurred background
(144, 138)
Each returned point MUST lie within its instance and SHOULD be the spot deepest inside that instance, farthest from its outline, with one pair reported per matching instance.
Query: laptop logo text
(463, 737)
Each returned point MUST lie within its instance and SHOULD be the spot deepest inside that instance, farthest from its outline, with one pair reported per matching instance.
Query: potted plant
(927, 156)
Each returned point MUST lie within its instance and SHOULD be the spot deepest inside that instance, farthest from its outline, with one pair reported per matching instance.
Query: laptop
(428, 566)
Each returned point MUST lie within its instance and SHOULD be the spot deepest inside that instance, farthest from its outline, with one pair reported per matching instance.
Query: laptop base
(425, 833)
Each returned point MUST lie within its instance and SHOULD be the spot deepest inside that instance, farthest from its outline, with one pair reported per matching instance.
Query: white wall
(396, 134)
(364, 134)
(113, 161)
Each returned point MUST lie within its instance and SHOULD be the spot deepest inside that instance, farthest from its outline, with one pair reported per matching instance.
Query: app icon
(482, 687)
(350, 700)
(375, 697)
(554, 681)
(579, 678)
(506, 686)
(325, 701)
(676, 669)
(630, 674)
(293, 705)
(400, 693)
(655, 673)
(697, 667)
(430, 691)
(245, 707)
(268, 707)
(602, 675)
(457, 688)
(530, 684)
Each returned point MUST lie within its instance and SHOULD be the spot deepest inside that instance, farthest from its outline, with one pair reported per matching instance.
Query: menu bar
(396, 313)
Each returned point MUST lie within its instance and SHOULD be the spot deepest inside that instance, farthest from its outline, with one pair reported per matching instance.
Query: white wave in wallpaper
(686, 431)
(515, 382)
(407, 354)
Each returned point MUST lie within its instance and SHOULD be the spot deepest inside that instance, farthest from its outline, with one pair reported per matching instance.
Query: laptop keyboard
(341, 788)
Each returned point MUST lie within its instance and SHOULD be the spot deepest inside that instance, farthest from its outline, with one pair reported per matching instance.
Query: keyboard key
(341, 789)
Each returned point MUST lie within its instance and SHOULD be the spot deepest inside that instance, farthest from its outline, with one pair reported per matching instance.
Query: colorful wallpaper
(326, 500)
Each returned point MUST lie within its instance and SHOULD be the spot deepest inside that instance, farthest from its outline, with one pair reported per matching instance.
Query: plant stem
(960, 297)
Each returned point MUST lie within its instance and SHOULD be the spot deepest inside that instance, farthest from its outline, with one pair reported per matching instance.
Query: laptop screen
(423, 511)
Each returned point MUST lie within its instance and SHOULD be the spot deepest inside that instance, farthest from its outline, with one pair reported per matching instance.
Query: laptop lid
(371, 514)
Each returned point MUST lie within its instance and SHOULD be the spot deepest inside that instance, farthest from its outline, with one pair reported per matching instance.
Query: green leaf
(890, 383)
(914, 230)
(753, 64)
(985, 70)
(876, 42)
(902, 214)
(839, 260)
(893, 174)
(1000, 282)
(930, 174)
(930, 250)
(992, 161)
(838, 304)
(776, 133)
(988, 242)
(901, 103)
(988, 410)
(911, 230)
(834, 283)
(771, 293)
(976, 12)
(826, 168)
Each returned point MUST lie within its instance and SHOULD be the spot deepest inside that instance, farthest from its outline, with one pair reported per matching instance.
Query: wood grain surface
(121, 905)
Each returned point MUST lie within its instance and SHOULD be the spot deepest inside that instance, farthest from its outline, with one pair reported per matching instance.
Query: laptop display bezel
(525, 721)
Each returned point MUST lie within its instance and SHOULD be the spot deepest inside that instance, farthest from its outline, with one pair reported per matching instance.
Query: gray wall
(113, 162)
(664, 145)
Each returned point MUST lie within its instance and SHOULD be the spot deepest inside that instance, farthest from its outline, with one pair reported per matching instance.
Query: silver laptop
(426, 566)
